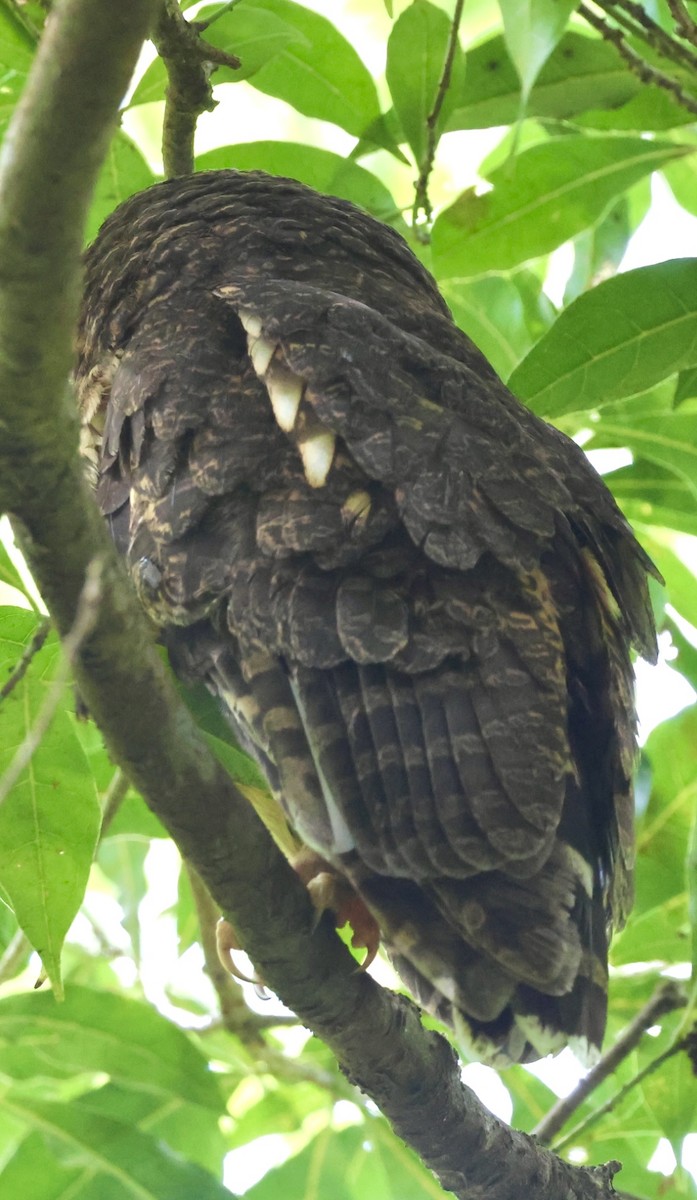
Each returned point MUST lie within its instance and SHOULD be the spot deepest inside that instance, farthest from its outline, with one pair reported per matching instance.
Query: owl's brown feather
(415, 598)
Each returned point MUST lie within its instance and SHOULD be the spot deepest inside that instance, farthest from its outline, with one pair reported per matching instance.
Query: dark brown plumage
(414, 597)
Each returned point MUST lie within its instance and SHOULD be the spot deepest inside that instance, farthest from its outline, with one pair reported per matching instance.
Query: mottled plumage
(415, 598)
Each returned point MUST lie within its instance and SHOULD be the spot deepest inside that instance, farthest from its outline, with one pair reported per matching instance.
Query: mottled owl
(414, 599)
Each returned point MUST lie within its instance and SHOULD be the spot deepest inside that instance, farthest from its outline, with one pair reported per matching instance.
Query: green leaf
(532, 29)
(686, 387)
(681, 177)
(598, 252)
(9, 574)
(650, 494)
(123, 1161)
(493, 311)
(99, 1031)
(319, 169)
(541, 198)
(122, 860)
(255, 34)
(664, 828)
(49, 822)
(668, 440)
(320, 76)
(416, 54)
(581, 71)
(366, 1160)
(619, 339)
(124, 172)
(16, 53)
(193, 1130)
(681, 583)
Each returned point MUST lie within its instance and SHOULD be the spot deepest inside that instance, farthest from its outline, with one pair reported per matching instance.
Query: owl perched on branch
(414, 598)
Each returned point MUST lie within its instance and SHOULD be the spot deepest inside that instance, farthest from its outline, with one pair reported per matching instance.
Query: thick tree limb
(80, 75)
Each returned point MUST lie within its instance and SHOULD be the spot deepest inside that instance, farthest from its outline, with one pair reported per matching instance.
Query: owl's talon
(226, 941)
(330, 890)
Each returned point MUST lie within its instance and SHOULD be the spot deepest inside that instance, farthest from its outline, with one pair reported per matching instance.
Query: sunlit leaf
(321, 75)
(416, 54)
(124, 172)
(664, 827)
(495, 313)
(49, 821)
(320, 169)
(16, 49)
(611, 343)
(98, 1031)
(540, 198)
(532, 30)
(116, 1155)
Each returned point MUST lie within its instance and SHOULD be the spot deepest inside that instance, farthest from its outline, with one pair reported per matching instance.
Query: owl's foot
(226, 941)
(331, 890)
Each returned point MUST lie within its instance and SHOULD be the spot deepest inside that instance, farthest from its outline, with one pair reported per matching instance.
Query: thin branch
(685, 26)
(638, 22)
(85, 620)
(113, 799)
(25, 661)
(189, 62)
(667, 997)
(675, 1047)
(422, 203)
(637, 65)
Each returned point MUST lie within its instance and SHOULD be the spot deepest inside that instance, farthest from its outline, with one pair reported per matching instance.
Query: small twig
(422, 203)
(684, 24)
(592, 1119)
(637, 65)
(23, 665)
(641, 25)
(85, 619)
(667, 997)
(11, 7)
(190, 62)
(113, 799)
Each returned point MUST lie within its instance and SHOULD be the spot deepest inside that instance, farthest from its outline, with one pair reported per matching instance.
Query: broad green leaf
(681, 583)
(49, 822)
(652, 108)
(493, 312)
(319, 169)
(681, 177)
(619, 339)
(8, 572)
(599, 251)
(124, 1162)
(256, 35)
(99, 1031)
(663, 830)
(122, 860)
(658, 934)
(686, 387)
(124, 172)
(16, 52)
(667, 439)
(580, 72)
(320, 76)
(416, 54)
(650, 494)
(532, 29)
(362, 1161)
(193, 1130)
(33, 1170)
(541, 198)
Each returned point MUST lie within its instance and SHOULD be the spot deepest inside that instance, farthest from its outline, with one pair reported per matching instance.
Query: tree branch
(81, 72)
(422, 203)
(189, 62)
(667, 997)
